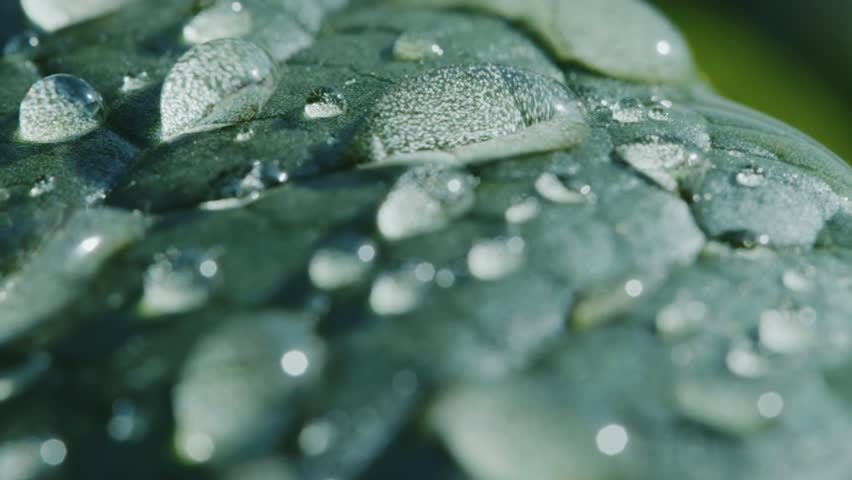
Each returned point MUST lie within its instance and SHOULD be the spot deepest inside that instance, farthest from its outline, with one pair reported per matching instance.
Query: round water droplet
(495, 259)
(751, 177)
(425, 199)
(324, 103)
(59, 108)
(744, 362)
(215, 84)
(471, 113)
(416, 47)
(612, 439)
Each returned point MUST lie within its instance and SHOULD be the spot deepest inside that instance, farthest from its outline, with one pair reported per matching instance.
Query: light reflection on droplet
(612, 439)
(664, 48)
(53, 452)
(295, 363)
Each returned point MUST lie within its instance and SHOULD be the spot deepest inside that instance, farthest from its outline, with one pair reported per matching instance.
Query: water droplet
(523, 211)
(681, 318)
(471, 113)
(59, 108)
(244, 135)
(178, 282)
(786, 330)
(22, 45)
(550, 187)
(216, 84)
(770, 404)
(324, 102)
(295, 363)
(751, 177)
(282, 27)
(5, 195)
(633, 288)
(416, 46)
(797, 281)
(52, 15)
(397, 293)
(612, 439)
(133, 82)
(343, 263)
(425, 199)
(660, 161)
(495, 259)
(744, 362)
(53, 452)
(43, 186)
(725, 406)
(126, 423)
(316, 437)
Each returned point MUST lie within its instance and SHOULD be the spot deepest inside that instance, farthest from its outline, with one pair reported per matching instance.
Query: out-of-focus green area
(788, 58)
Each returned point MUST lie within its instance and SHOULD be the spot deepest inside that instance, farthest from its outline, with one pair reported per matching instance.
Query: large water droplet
(787, 330)
(471, 113)
(324, 103)
(661, 161)
(425, 199)
(215, 84)
(58, 108)
(751, 177)
(52, 15)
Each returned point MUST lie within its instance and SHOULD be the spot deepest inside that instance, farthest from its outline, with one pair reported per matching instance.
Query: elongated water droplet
(215, 84)
(726, 406)
(425, 199)
(550, 187)
(471, 113)
(416, 47)
(52, 15)
(324, 103)
(398, 292)
(59, 108)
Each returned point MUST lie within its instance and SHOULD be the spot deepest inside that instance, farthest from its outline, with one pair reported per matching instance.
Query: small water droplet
(751, 177)
(5, 195)
(22, 45)
(216, 84)
(744, 362)
(43, 186)
(133, 82)
(770, 404)
(612, 439)
(342, 263)
(244, 135)
(59, 108)
(178, 282)
(316, 437)
(495, 259)
(324, 102)
(53, 452)
(523, 211)
(681, 318)
(398, 292)
(796, 281)
(416, 46)
(424, 199)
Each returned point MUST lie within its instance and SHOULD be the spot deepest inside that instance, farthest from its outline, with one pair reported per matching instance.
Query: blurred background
(789, 58)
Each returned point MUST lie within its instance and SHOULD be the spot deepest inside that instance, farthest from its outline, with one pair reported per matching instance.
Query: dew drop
(244, 135)
(343, 263)
(744, 362)
(495, 259)
(550, 187)
(416, 47)
(724, 406)
(216, 84)
(612, 439)
(470, 113)
(751, 177)
(770, 404)
(425, 199)
(324, 102)
(523, 211)
(680, 319)
(178, 282)
(59, 108)
(786, 330)
(43, 186)
(660, 161)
